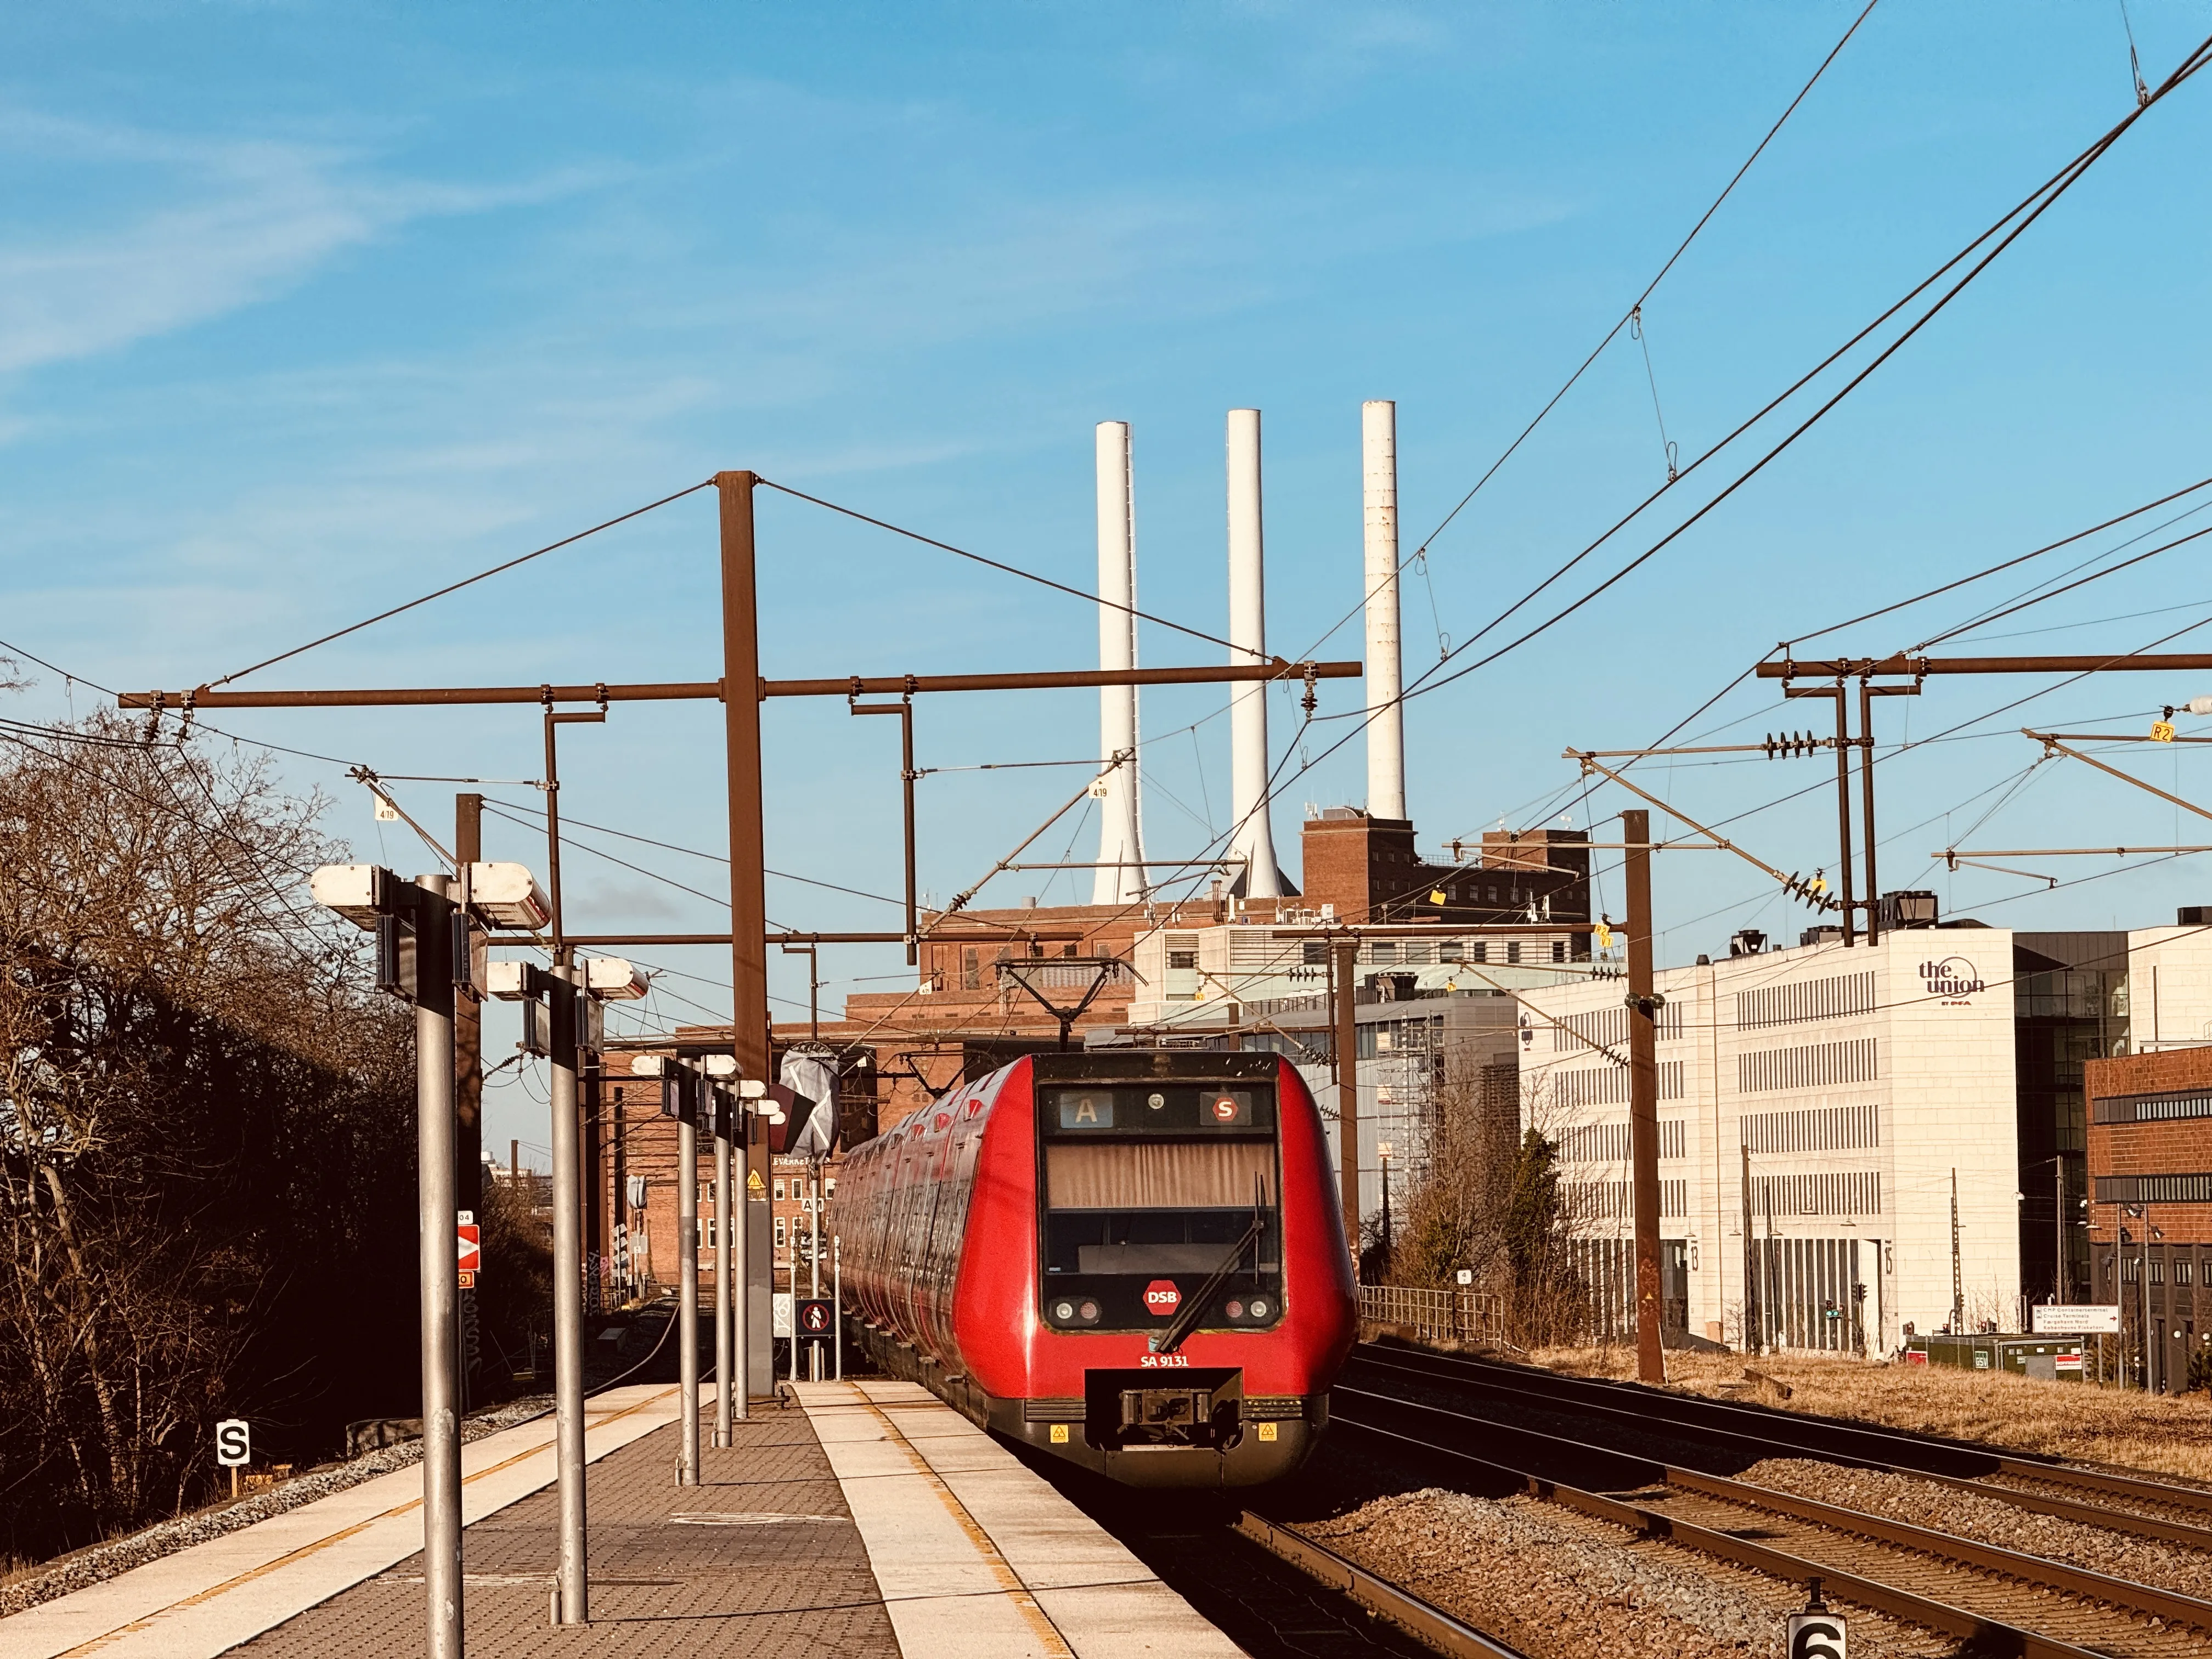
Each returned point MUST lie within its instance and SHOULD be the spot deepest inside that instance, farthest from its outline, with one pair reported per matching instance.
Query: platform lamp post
(731, 1098)
(688, 1088)
(421, 929)
(564, 1020)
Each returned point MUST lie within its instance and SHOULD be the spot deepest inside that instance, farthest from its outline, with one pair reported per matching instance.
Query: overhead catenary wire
(1421, 549)
(1098, 599)
(2027, 215)
(465, 582)
(2003, 565)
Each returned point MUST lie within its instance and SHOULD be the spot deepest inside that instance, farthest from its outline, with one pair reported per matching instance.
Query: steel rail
(1423, 1621)
(1811, 1431)
(2039, 1572)
(2065, 1509)
(1994, 1636)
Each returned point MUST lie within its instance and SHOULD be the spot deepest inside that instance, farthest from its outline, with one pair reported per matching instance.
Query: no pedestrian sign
(815, 1318)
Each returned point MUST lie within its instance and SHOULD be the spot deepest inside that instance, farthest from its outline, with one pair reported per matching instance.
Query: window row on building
(1607, 1028)
(1615, 1200)
(1607, 1143)
(1813, 1129)
(1608, 1086)
(1837, 996)
(1831, 1192)
(1809, 1066)
(2151, 1108)
(2154, 1189)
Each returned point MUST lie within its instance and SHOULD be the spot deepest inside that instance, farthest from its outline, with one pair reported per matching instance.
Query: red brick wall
(2183, 1147)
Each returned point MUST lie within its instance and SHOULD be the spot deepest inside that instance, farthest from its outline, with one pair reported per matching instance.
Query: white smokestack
(1120, 836)
(1386, 729)
(1254, 841)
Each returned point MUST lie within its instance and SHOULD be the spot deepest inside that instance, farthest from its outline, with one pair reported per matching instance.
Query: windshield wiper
(1193, 1309)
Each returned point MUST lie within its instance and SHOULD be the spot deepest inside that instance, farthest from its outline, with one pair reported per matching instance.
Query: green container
(2052, 1358)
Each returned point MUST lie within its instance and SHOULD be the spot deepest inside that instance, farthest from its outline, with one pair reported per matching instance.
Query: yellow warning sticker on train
(1266, 1432)
(1060, 1434)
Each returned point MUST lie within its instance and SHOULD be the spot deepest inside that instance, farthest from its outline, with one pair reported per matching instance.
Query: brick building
(2150, 1201)
(993, 984)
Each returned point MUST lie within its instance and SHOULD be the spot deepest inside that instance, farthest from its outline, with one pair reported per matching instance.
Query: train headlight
(1088, 1313)
(1235, 1311)
(1072, 1311)
(1064, 1312)
(1261, 1308)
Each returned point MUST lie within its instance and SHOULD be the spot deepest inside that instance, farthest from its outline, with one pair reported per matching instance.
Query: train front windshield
(1157, 1192)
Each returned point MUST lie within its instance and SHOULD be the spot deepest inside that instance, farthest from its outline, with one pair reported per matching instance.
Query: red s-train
(1131, 1260)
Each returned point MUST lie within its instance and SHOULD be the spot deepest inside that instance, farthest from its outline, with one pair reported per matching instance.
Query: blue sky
(304, 309)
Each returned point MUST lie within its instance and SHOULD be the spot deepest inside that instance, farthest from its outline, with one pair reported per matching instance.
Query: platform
(866, 1520)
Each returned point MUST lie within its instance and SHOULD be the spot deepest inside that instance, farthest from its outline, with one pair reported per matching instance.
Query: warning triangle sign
(755, 1185)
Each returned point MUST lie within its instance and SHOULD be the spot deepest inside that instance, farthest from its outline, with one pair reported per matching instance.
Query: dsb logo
(1161, 1296)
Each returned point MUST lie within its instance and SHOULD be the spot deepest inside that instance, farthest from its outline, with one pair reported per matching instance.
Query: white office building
(1818, 1109)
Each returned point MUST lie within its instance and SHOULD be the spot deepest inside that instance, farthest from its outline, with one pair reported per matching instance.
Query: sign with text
(1818, 1635)
(2079, 1319)
(234, 1442)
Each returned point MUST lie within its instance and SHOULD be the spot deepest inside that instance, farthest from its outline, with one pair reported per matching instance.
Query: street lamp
(565, 1020)
(691, 1087)
(423, 955)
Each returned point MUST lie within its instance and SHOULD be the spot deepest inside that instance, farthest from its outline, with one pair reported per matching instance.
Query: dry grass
(2170, 1435)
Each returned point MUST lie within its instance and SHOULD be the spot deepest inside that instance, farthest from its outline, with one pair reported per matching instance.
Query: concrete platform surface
(975, 1554)
(208, 1599)
(858, 1521)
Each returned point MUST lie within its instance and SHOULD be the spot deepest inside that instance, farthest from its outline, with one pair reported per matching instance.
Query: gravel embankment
(102, 1562)
(1991, 1521)
(1559, 1585)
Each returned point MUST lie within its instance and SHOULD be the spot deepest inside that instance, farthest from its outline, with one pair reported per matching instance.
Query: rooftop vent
(1746, 942)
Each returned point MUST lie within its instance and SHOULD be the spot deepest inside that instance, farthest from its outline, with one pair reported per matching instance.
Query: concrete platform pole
(438, 1261)
(573, 1580)
(687, 1275)
(727, 1377)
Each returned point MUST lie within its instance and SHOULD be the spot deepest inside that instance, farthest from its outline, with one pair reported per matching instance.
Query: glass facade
(2062, 1018)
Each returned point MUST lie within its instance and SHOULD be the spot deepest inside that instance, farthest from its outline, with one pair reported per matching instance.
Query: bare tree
(1492, 1204)
(206, 1152)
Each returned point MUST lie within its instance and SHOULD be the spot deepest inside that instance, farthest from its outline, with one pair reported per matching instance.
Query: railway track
(2000, 1600)
(2104, 1498)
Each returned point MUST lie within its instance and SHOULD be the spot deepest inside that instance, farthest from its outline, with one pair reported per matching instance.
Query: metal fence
(1435, 1316)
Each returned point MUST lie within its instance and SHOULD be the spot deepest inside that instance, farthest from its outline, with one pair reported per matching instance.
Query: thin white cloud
(237, 223)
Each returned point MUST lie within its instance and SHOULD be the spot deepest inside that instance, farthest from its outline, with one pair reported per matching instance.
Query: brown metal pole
(749, 1015)
(1344, 956)
(1844, 805)
(907, 776)
(904, 710)
(468, 1026)
(1642, 1095)
(1866, 805)
(2119, 663)
(853, 685)
(553, 833)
